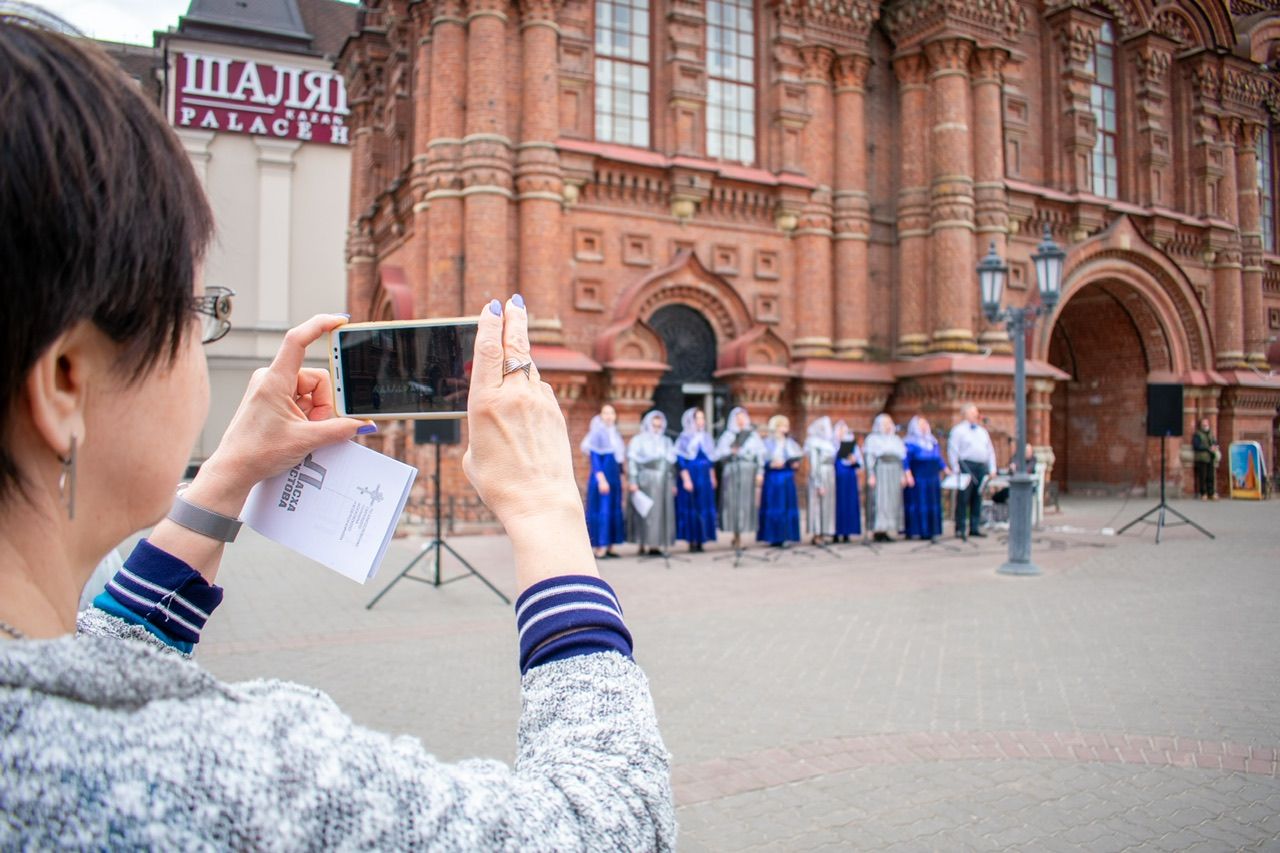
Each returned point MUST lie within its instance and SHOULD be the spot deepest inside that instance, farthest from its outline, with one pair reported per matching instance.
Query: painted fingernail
(367, 429)
(517, 300)
(495, 307)
(342, 314)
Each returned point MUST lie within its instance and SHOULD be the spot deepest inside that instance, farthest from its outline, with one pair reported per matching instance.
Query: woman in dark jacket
(1207, 454)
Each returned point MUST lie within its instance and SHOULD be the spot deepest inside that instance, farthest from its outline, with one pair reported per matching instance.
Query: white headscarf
(648, 445)
(692, 439)
(917, 436)
(752, 446)
(603, 439)
(819, 437)
(881, 444)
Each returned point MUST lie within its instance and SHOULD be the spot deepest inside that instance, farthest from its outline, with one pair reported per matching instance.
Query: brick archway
(1127, 317)
(688, 282)
(1156, 292)
(1109, 341)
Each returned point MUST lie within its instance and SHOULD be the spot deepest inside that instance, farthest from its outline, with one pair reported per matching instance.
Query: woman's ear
(57, 386)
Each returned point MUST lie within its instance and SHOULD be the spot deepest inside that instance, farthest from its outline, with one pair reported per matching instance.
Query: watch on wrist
(206, 522)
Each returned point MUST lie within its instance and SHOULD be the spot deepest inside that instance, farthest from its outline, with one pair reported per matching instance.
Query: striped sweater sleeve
(161, 593)
(567, 616)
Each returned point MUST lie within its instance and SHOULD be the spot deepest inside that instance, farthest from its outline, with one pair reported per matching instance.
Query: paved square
(909, 699)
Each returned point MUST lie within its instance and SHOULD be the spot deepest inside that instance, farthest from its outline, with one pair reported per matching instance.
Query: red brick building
(782, 203)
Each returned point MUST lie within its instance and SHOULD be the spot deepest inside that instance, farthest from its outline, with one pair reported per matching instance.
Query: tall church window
(1267, 189)
(622, 71)
(1102, 99)
(731, 92)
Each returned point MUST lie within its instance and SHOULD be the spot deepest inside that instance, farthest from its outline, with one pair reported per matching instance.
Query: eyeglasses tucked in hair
(214, 309)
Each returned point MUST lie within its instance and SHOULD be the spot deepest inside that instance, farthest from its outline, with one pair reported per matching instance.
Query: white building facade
(252, 93)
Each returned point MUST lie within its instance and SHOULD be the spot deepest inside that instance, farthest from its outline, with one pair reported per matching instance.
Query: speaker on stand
(1164, 421)
(439, 433)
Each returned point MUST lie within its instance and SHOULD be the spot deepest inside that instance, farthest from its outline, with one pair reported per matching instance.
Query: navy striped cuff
(165, 592)
(569, 616)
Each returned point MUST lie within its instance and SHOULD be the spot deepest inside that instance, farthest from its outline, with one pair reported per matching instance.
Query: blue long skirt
(779, 507)
(922, 503)
(848, 510)
(696, 510)
(605, 523)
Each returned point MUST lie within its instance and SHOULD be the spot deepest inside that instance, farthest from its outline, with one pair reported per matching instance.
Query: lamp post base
(1012, 568)
(1019, 562)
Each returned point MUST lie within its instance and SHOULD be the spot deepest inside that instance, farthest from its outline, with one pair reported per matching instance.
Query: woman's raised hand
(286, 413)
(518, 456)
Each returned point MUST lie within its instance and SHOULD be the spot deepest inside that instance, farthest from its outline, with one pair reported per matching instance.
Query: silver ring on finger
(511, 365)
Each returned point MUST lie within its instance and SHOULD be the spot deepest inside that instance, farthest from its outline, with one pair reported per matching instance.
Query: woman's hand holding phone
(286, 413)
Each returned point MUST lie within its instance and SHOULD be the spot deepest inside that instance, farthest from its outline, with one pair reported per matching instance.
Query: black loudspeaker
(1164, 410)
(438, 432)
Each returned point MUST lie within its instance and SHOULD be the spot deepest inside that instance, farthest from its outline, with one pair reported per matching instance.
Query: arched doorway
(1108, 339)
(691, 352)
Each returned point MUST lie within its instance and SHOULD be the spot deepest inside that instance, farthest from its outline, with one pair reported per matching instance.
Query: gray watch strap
(206, 522)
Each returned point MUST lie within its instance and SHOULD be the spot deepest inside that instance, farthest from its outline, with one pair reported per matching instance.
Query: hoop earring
(67, 480)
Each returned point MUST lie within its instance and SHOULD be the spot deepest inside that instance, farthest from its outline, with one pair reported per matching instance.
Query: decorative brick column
(1250, 221)
(852, 208)
(991, 205)
(813, 234)
(913, 205)
(1076, 29)
(419, 178)
(685, 72)
(1152, 55)
(951, 197)
(1206, 152)
(486, 157)
(443, 152)
(1227, 311)
(361, 274)
(539, 181)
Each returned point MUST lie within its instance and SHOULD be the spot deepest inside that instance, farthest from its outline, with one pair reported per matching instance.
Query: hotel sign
(261, 99)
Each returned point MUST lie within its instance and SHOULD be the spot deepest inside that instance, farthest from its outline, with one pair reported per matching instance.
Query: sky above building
(129, 21)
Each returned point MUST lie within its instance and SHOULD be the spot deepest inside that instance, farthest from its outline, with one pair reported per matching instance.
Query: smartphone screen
(405, 370)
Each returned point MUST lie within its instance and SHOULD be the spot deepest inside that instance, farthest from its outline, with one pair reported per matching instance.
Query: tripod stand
(434, 547)
(1162, 508)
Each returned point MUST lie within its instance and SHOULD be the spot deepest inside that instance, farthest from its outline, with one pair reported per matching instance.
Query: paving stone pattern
(910, 699)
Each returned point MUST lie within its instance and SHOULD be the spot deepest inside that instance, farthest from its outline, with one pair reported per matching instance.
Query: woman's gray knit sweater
(110, 739)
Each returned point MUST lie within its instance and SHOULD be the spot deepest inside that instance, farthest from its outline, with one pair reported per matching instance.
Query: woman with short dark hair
(113, 736)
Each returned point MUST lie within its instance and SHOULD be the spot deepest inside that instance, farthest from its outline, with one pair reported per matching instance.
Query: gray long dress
(820, 514)
(655, 478)
(886, 498)
(738, 509)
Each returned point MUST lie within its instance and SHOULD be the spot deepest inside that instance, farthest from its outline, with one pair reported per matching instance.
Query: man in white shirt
(970, 451)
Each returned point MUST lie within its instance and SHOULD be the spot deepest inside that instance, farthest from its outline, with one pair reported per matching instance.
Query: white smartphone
(420, 369)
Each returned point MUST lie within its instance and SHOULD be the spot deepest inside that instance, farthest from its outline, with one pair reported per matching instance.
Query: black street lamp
(992, 272)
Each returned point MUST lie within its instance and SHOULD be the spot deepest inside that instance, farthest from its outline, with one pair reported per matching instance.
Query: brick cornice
(912, 22)
(1124, 13)
(839, 23)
